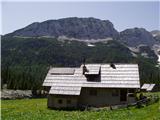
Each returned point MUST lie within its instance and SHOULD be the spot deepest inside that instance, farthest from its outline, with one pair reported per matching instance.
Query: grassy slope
(36, 109)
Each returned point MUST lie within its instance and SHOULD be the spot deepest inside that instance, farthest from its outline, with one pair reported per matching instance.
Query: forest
(26, 61)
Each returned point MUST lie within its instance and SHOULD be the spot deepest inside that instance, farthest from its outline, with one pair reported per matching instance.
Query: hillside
(50, 51)
(90, 30)
(25, 61)
(28, 53)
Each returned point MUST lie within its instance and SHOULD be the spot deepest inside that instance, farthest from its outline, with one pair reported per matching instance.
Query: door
(123, 95)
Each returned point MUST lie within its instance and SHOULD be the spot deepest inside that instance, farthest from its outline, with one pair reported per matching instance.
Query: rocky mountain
(156, 35)
(73, 27)
(87, 29)
(93, 30)
(147, 52)
(137, 36)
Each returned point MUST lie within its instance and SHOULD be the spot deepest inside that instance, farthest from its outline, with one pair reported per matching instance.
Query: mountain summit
(73, 27)
(90, 30)
(136, 36)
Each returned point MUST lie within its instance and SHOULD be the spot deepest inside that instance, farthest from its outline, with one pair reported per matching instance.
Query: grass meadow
(36, 109)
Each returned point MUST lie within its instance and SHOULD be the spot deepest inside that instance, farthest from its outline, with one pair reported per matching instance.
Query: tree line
(25, 62)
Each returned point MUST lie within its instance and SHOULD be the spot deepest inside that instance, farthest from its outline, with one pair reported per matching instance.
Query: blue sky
(123, 15)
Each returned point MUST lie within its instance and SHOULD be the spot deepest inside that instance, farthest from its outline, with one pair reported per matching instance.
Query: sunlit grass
(36, 109)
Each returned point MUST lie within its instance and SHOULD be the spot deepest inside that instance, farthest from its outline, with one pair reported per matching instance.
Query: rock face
(137, 36)
(142, 40)
(15, 94)
(81, 28)
(156, 35)
(147, 52)
(91, 30)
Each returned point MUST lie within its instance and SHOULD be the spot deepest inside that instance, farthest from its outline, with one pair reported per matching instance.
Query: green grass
(36, 109)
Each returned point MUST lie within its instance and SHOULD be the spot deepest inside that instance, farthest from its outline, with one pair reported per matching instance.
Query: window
(115, 92)
(68, 101)
(60, 101)
(93, 92)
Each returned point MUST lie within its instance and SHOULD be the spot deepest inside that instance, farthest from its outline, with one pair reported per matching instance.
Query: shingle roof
(148, 87)
(145, 86)
(65, 90)
(124, 76)
(62, 71)
(93, 69)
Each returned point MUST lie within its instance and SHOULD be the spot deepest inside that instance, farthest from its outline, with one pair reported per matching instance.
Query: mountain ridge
(83, 28)
(87, 29)
(90, 30)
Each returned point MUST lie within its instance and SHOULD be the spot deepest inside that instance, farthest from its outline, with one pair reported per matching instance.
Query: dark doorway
(123, 95)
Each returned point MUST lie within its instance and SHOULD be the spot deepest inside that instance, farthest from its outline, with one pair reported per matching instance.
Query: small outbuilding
(96, 85)
(147, 87)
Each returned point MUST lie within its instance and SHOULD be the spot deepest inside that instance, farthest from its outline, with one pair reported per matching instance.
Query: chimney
(113, 66)
(84, 69)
